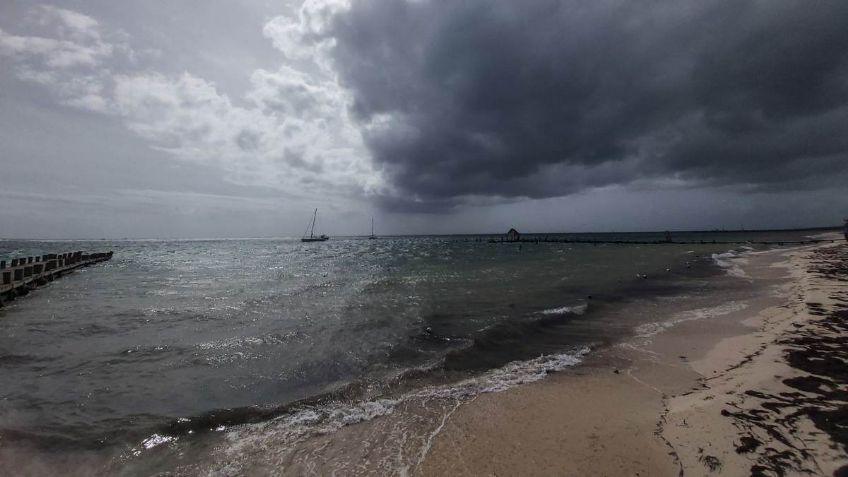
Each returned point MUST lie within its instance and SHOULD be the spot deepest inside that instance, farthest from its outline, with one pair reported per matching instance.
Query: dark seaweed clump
(819, 348)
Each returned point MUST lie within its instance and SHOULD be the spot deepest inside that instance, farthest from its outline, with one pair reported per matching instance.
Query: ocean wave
(730, 261)
(510, 340)
(256, 434)
(23, 359)
(648, 330)
(567, 310)
(252, 341)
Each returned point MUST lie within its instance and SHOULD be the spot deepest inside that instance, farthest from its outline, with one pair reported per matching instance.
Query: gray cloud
(547, 98)
(133, 119)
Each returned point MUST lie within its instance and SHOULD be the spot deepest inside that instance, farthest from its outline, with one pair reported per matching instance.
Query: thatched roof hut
(513, 236)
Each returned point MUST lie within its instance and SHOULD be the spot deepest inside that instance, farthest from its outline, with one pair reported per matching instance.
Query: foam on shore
(566, 310)
(278, 439)
(648, 330)
(732, 261)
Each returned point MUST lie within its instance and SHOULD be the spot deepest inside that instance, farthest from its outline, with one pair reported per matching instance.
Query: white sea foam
(410, 436)
(573, 310)
(648, 330)
(154, 441)
(521, 372)
(731, 261)
(500, 379)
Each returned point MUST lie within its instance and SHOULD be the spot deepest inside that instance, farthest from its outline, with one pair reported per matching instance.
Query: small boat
(372, 236)
(311, 228)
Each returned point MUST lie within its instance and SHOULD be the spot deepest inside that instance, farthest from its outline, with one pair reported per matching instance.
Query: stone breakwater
(21, 275)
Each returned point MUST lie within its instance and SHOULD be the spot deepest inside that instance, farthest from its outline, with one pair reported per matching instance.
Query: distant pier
(24, 274)
(544, 239)
(513, 236)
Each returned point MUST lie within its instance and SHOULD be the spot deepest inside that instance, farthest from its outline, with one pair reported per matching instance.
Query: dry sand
(754, 391)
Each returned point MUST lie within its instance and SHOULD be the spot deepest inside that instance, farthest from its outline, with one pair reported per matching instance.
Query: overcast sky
(218, 118)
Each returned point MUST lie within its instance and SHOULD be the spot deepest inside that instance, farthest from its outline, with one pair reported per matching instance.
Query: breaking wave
(283, 432)
(648, 330)
(731, 260)
(566, 310)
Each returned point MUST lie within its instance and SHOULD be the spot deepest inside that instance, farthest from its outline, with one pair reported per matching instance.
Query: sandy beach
(757, 389)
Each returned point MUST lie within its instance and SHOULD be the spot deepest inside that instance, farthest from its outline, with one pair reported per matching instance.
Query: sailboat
(311, 229)
(372, 236)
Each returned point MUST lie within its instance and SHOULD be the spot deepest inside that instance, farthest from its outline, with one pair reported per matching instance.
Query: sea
(226, 357)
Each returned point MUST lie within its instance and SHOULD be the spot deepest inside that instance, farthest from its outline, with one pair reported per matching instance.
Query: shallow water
(172, 339)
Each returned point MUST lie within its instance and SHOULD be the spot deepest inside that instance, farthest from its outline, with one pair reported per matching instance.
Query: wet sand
(760, 390)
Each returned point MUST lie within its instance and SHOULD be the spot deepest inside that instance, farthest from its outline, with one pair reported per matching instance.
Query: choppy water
(172, 339)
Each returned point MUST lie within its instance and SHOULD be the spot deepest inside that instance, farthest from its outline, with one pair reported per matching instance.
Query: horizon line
(285, 237)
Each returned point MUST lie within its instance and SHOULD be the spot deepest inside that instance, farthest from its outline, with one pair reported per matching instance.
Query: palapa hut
(513, 236)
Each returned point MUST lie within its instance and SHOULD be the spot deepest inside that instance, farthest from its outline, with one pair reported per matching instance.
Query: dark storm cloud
(547, 98)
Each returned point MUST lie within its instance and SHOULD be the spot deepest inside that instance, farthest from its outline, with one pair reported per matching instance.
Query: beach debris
(710, 462)
(747, 444)
(771, 421)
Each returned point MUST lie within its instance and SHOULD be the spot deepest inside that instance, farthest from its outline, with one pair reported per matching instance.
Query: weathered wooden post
(2, 264)
(7, 277)
(19, 274)
(38, 271)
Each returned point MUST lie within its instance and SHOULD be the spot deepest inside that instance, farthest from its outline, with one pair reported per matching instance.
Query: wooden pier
(21, 275)
(544, 239)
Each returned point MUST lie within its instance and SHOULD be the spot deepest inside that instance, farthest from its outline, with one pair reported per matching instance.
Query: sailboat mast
(372, 226)
(314, 217)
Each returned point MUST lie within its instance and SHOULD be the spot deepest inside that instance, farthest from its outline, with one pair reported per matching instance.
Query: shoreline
(626, 406)
(700, 397)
